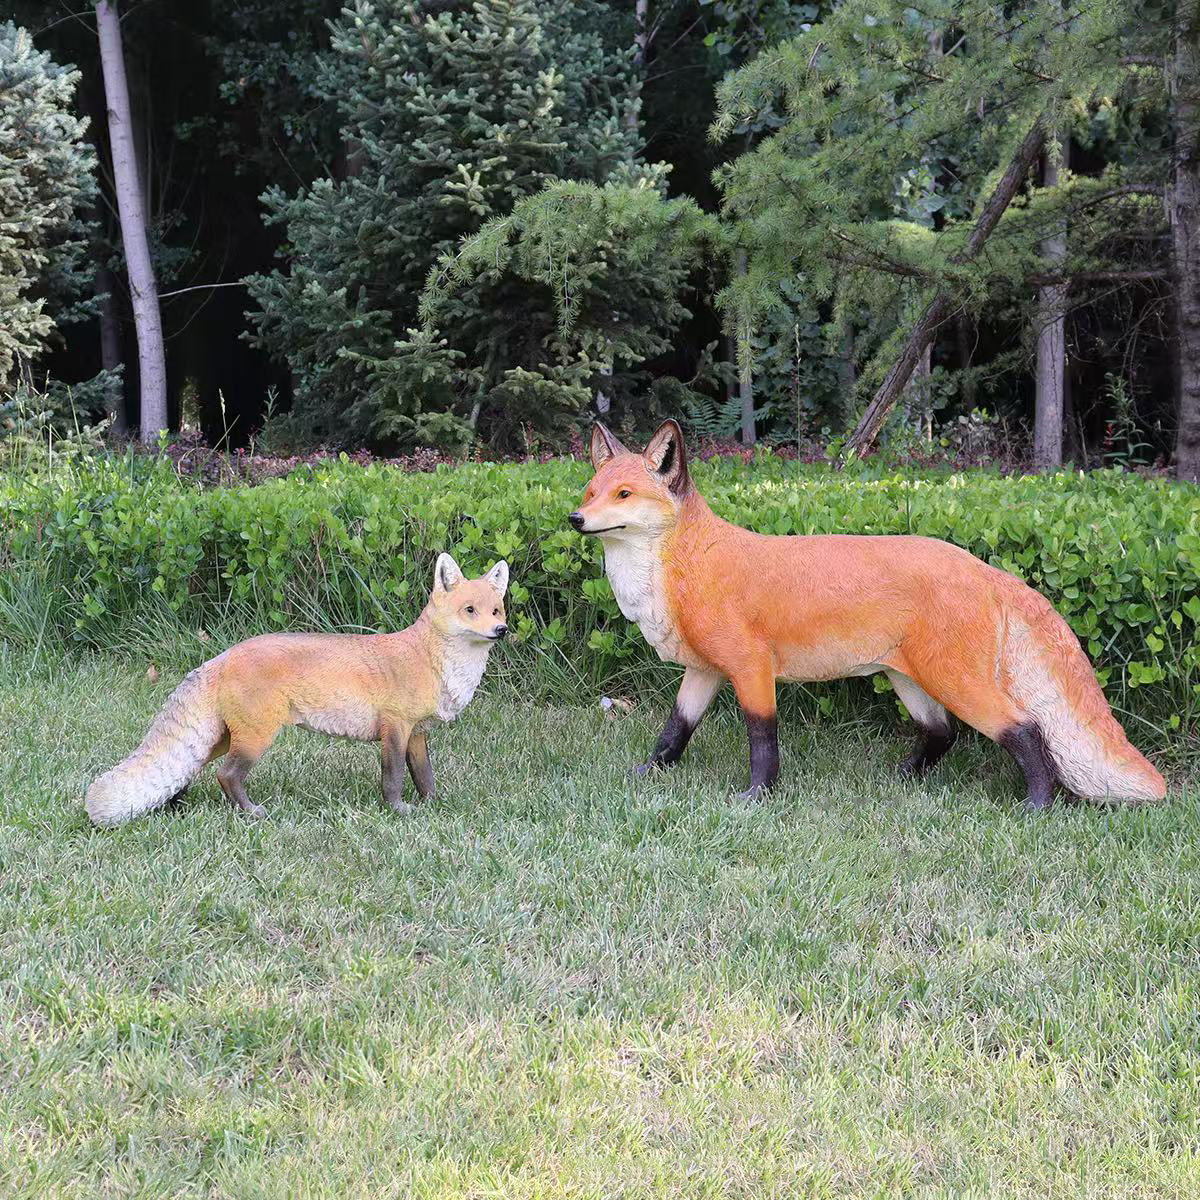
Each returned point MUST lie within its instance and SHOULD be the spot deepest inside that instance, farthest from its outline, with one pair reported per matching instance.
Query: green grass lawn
(557, 981)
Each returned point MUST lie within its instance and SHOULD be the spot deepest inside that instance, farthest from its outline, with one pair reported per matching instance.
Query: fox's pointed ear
(498, 577)
(667, 458)
(446, 573)
(605, 445)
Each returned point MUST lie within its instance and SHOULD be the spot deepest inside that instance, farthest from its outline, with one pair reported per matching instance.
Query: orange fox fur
(376, 687)
(951, 632)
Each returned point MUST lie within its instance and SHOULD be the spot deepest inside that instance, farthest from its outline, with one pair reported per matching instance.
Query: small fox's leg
(394, 745)
(419, 766)
(696, 693)
(1024, 743)
(937, 733)
(234, 768)
(756, 694)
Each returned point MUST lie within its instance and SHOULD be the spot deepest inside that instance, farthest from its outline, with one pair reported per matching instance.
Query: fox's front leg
(755, 689)
(419, 766)
(394, 740)
(696, 693)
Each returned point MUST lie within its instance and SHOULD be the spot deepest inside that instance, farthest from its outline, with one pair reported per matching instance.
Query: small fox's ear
(605, 445)
(498, 577)
(667, 458)
(446, 573)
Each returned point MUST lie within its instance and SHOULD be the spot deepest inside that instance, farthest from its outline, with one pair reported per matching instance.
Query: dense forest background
(955, 227)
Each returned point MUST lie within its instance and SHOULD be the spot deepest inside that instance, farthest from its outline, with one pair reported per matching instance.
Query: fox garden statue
(953, 634)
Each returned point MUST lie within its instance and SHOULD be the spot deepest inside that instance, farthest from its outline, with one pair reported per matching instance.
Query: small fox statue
(951, 632)
(384, 687)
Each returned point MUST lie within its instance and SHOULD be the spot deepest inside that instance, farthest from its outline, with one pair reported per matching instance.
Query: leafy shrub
(337, 545)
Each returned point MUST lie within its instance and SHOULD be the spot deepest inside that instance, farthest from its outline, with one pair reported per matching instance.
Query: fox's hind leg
(696, 693)
(1024, 743)
(244, 752)
(936, 733)
(419, 766)
(972, 693)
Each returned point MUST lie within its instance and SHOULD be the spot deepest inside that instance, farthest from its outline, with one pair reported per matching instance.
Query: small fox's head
(469, 608)
(633, 495)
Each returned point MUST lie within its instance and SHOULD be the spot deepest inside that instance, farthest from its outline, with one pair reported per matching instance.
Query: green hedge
(342, 545)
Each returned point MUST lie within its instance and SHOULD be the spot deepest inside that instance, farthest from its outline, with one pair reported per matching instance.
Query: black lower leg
(231, 775)
(672, 742)
(1024, 743)
(932, 742)
(764, 753)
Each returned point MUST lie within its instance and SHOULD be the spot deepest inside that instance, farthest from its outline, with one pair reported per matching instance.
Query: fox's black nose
(576, 519)
(500, 631)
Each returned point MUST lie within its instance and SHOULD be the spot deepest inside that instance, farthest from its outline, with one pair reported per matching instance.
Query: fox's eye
(471, 609)
(495, 612)
(624, 494)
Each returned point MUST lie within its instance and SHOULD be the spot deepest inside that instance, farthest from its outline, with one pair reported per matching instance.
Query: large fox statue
(386, 688)
(951, 632)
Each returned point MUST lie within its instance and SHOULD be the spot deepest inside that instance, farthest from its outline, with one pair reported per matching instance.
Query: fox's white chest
(634, 570)
(462, 669)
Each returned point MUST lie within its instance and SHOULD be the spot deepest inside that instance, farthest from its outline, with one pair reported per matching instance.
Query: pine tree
(878, 94)
(47, 188)
(522, 319)
(450, 115)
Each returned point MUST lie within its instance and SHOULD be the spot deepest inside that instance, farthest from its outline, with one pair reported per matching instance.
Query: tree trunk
(745, 378)
(962, 336)
(847, 370)
(142, 290)
(1050, 402)
(924, 392)
(746, 392)
(940, 308)
(1074, 450)
(641, 36)
(110, 341)
(1183, 208)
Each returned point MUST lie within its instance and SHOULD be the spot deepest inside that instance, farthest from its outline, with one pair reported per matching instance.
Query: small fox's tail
(179, 742)
(1052, 678)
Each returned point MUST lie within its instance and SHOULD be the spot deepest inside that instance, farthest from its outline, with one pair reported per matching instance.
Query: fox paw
(752, 795)
(401, 807)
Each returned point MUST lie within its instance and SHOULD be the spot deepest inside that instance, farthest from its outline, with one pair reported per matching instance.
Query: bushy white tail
(178, 744)
(1051, 677)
